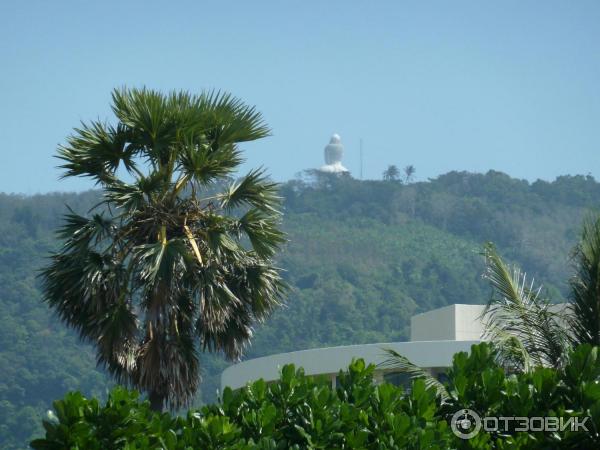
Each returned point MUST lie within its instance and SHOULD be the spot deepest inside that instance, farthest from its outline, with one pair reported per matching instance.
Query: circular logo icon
(465, 423)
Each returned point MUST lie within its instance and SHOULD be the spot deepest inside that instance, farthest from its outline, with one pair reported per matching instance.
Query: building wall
(436, 325)
(452, 322)
(468, 324)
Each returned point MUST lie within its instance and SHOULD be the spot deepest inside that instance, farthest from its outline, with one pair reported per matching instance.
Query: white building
(435, 337)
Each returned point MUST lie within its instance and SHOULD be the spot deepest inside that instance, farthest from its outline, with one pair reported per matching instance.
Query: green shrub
(302, 412)
(296, 412)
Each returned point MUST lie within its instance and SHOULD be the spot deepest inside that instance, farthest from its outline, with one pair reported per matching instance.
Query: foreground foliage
(300, 412)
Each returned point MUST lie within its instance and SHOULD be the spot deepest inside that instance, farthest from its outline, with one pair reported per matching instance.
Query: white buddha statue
(333, 156)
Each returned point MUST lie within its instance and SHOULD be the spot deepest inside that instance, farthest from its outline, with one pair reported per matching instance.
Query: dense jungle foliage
(362, 257)
(299, 412)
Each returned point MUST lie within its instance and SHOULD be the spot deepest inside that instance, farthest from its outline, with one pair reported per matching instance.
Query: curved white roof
(435, 337)
(331, 360)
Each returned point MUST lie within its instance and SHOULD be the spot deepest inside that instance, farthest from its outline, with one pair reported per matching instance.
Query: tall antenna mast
(361, 159)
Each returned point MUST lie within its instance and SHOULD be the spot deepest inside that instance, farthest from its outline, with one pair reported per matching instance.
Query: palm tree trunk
(157, 401)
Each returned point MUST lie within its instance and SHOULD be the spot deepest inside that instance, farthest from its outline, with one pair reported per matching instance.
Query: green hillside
(362, 257)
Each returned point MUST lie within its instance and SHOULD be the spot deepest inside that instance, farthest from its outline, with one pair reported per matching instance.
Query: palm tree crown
(176, 258)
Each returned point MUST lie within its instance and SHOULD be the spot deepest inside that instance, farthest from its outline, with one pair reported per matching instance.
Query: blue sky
(462, 85)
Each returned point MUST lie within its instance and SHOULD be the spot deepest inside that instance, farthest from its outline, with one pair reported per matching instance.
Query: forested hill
(363, 257)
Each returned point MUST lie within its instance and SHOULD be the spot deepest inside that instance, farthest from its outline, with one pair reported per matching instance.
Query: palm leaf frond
(402, 364)
(255, 190)
(585, 286)
(237, 122)
(262, 231)
(97, 150)
(203, 164)
(517, 310)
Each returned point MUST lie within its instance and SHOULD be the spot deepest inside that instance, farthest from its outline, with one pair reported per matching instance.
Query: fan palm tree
(525, 327)
(176, 258)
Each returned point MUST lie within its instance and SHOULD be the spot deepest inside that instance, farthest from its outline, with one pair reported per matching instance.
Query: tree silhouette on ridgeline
(392, 173)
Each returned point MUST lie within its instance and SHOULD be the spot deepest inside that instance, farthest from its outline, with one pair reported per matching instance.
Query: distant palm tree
(409, 172)
(391, 173)
(175, 259)
(527, 329)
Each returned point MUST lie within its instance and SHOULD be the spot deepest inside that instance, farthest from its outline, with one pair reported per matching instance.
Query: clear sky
(449, 85)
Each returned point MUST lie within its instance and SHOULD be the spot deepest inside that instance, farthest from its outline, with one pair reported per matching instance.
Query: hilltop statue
(333, 156)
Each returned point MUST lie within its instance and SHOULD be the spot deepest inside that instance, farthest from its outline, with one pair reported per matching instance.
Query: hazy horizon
(298, 176)
(511, 87)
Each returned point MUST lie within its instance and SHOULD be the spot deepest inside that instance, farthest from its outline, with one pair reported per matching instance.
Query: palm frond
(97, 150)
(260, 287)
(132, 197)
(116, 342)
(510, 350)
(262, 231)
(517, 309)
(585, 286)
(402, 364)
(161, 262)
(154, 123)
(255, 190)
(237, 122)
(203, 164)
(235, 293)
